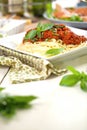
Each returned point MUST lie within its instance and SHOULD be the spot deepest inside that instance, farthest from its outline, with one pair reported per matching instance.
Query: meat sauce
(57, 32)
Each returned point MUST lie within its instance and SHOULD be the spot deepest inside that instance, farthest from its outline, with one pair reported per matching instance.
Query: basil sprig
(71, 80)
(40, 28)
(10, 104)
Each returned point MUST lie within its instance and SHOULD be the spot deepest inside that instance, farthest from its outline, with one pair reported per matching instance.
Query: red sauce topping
(59, 32)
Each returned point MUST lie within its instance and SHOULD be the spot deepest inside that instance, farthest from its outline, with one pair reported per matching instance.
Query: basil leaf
(84, 76)
(73, 70)
(46, 26)
(69, 80)
(39, 33)
(54, 51)
(10, 104)
(83, 85)
(72, 79)
(31, 34)
(26, 99)
(39, 26)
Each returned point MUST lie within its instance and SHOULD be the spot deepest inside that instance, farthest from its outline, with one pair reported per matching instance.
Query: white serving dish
(58, 60)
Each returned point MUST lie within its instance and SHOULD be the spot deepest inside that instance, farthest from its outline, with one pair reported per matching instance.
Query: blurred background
(26, 8)
(31, 8)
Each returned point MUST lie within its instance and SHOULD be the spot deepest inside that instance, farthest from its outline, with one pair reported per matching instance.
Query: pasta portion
(40, 48)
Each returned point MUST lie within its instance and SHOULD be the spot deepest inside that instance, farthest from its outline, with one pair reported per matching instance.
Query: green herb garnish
(54, 51)
(10, 104)
(31, 34)
(40, 28)
(73, 18)
(74, 78)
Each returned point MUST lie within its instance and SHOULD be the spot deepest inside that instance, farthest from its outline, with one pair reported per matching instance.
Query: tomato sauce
(57, 32)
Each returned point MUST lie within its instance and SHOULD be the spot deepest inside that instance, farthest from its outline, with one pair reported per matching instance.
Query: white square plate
(13, 41)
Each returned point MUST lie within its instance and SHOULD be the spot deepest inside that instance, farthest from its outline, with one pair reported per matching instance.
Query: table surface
(57, 108)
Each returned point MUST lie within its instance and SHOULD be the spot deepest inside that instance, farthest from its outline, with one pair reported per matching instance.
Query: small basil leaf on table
(69, 80)
(74, 78)
(10, 104)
